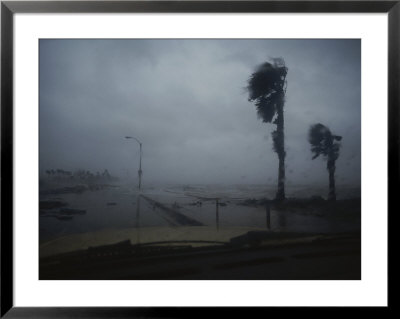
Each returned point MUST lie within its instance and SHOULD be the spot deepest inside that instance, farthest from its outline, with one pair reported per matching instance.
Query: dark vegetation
(324, 143)
(80, 175)
(59, 181)
(267, 88)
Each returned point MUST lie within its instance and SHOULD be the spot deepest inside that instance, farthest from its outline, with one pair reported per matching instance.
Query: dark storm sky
(185, 100)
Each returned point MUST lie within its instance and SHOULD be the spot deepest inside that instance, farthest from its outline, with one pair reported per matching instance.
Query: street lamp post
(140, 159)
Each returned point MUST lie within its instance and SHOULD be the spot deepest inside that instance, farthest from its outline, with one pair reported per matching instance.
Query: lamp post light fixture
(140, 159)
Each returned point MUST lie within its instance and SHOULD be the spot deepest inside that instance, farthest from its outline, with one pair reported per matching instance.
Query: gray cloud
(185, 99)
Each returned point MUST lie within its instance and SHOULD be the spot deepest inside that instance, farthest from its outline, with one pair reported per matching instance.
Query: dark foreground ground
(256, 255)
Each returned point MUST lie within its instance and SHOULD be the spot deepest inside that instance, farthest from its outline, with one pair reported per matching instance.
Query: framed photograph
(164, 155)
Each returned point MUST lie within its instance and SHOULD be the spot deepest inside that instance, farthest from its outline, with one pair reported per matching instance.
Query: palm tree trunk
(280, 195)
(331, 168)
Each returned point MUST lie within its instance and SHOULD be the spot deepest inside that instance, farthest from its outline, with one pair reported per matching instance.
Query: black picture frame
(9, 8)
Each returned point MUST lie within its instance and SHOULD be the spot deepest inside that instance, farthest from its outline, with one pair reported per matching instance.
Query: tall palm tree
(267, 88)
(323, 142)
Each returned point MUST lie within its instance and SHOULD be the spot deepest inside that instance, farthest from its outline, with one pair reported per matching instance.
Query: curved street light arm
(128, 137)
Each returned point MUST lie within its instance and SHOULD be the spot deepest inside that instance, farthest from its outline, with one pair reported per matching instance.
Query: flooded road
(121, 207)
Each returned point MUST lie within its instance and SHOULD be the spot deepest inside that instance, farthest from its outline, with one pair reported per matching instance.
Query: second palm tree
(323, 142)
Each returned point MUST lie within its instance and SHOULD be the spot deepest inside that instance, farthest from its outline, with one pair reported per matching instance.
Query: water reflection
(138, 197)
(217, 212)
(268, 215)
(282, 220)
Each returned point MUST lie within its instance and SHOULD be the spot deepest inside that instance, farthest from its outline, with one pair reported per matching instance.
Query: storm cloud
(186, 101)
